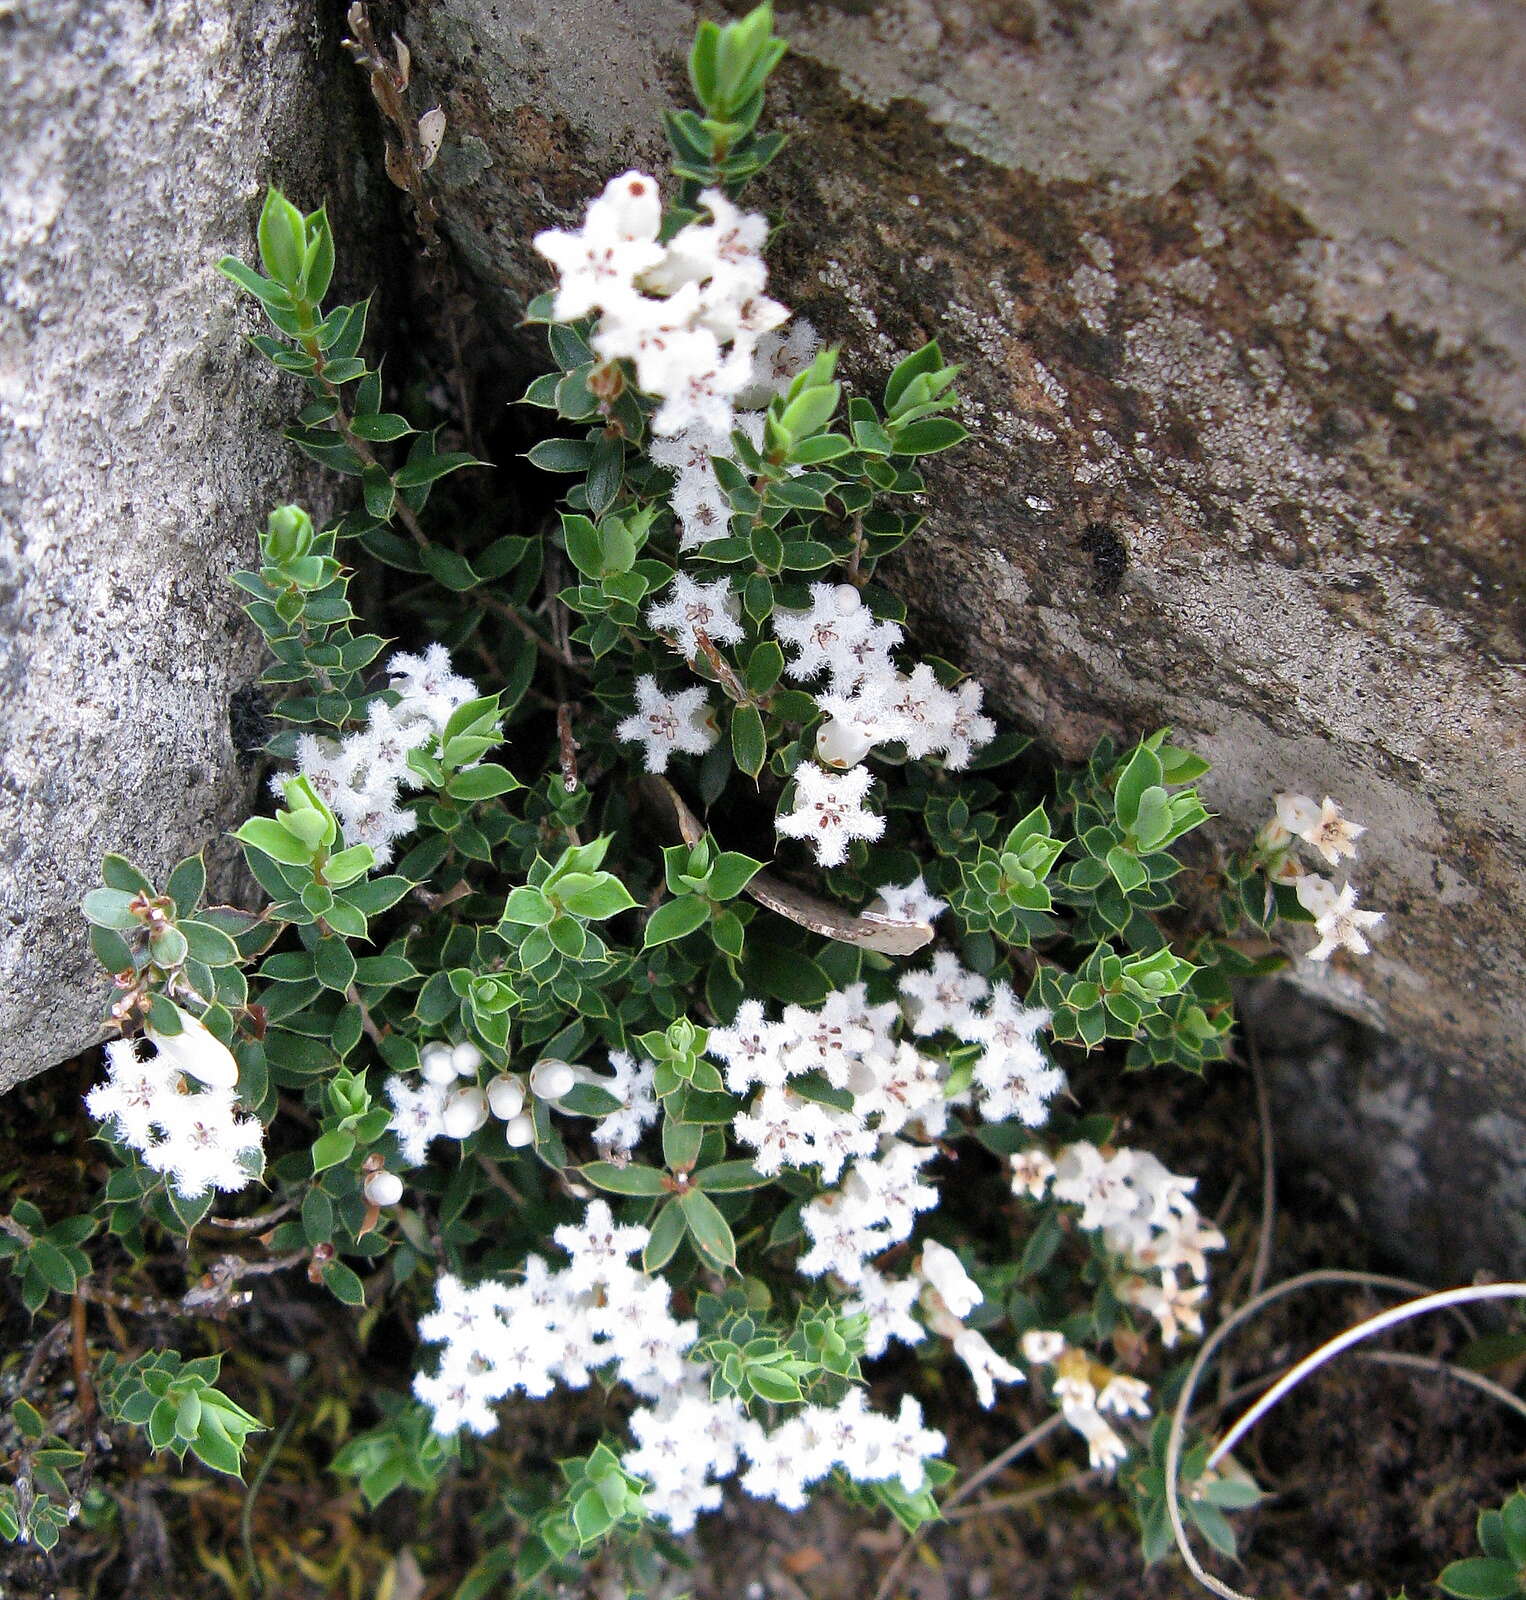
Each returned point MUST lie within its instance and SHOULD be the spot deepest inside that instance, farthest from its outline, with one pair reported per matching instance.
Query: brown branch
(568, 747)
(544, 645)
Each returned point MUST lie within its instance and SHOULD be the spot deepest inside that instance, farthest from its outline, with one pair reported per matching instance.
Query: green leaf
(382, 427)
(675, 918)
(1144, 771)
(1480, 1578)
(333, 965)
(268, 836)
(726, 1177)
(599, 900)
(282, 239)
(589, 1100)
(117, 872)
(344, 1284)
(528, 907)
(207, 944)
(606, 469)
(56, 1269)
(708, 1228)
(929, 435)
(667, 1230)
(332, 1148)
(264, 289)
(561, 455)
(1126, 869)
(426, 469)
(748, 746)
(633, 1179)
(187, 883)
(926, 360)
(108, 908)
(485, 782)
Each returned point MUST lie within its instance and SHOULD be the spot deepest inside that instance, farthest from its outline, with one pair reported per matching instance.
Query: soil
(1374, 1474)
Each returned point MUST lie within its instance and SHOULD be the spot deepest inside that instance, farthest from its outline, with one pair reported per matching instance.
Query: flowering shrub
(628, 1010)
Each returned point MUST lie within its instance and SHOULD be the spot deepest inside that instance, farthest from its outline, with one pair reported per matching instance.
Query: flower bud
(839, 745)
(506, 1096)
(464, 1113)
(466, 1058)
(384, 1188)
(518, 1132)
(288, 535)
(437, 1063)
(198, 1052)
(551, 1079)
(847, 598)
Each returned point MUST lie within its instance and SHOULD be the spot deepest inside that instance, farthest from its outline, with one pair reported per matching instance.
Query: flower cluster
(452, 1103)
(1337, 919)
(867, 701)
(195, 1136)
(689, 314)
(360, 776)
(1087, 1391)
(601, 1314)
(1144, 1215)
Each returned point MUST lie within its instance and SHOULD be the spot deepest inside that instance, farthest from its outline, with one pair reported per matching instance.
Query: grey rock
(1417, 1153)
(139, 446)
(1241, 297)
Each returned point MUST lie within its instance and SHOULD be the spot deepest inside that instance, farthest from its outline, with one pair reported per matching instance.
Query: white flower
(597, 266)
(829, 811)
(1322, 826)
(360, 777)
(944, 1271)
(702, 509)
(700, 387)
(1103, 1446)
(418, 1116)
(944, 996)
(752, 1048)
(905, 902)
(1032, 1171)
(465, 1112)
(1336, 918)
(1124, 1396)
(550, 1079)
(136, 1090)
(196, 1138)
(631, 1082)
(692, 608)
(598, 1246)
(205, 1143)
(198, 1052)
(1043, 1346)
(987, 1368)
(777, 359)
(383, 1188)
(668, 723)
(506, 1096)
(837, 617)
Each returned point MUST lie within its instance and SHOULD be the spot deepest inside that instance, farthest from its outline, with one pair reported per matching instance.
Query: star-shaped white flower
(1336, 918)
(693, 608)
(905, 902)
(829, 811)
(668, 723)
(1322, 826)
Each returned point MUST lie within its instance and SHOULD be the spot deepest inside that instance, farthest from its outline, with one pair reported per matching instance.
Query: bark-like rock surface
(1242, 299)
(139, 446)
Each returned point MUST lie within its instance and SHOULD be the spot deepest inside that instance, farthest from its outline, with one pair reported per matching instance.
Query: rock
(1399, 1142)
(1244, 331)
(139, 445)
(1243, 311)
